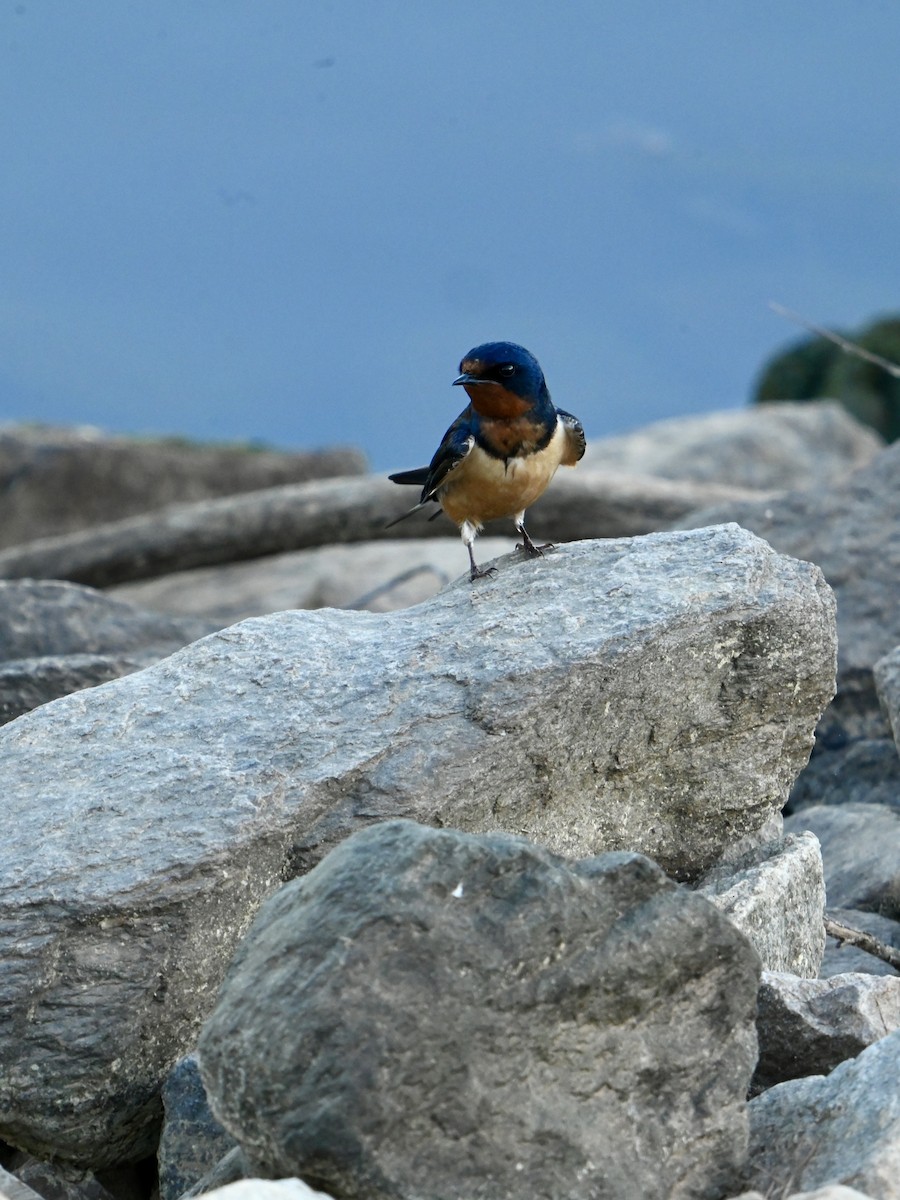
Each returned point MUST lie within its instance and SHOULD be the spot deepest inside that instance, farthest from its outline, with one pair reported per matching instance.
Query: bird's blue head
(503, 380)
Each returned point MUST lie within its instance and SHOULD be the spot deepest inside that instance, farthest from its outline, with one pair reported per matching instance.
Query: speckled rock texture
(511, 1023)
(655, 695)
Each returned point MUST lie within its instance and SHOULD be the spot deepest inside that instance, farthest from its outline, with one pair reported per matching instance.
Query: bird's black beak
(469, 380)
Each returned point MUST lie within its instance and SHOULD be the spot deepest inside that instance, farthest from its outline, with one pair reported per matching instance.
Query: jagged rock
(887, 685)
(13, 1189)
(55, 481)
(838, 1128)
(861, 852)
(43, 617)
(842, 958)
(377, 576)
(808, 1026)
(30, 682)
(492, 1013)
(777, 901)
(656, 694)
(852, 531)
(773, 447)
(580, 504)
(863, 771)
(53, 1181)
(230, 1168)
(57, 638)
(192, 1140)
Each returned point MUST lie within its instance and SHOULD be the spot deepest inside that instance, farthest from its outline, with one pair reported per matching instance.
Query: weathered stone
(841, 958)
(861, 851)
(497, 1029)
(656, 695)
(808, 1026)
(852, 531)
(54, 1181)
(377, 576)
(12, 1188)
(49, 618)
(229, 1169)
(192, 1140)
(31, 682)
(57, 638)
(54, 481)
(837, 1128)
(887, 685)
(580, 504)
(777, 902)
(863, 771)
(772, 447)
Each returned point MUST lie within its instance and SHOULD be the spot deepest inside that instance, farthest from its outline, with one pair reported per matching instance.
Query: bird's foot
(530, 548)
(481, 573)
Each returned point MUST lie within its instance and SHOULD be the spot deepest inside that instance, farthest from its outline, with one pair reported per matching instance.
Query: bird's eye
(508, 369)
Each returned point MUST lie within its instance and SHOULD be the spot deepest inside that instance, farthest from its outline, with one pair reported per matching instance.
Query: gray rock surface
(852, 531)
(861, 852)
(809, 1026)
(841, 957)
(580, 504)
(887, 685)
(861, 771)
(57, 638)
(55, 1181)
(498, 1035)
(842, 1128)
(772, 447)
(31, 682)
(777, 901)
(14, 1189)
(376, 576)
(192, 1140)
(47, 617)
(656, 694)
(56, 480)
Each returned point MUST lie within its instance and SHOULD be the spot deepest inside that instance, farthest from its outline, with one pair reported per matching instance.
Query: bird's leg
(468, 532)
(527, 544)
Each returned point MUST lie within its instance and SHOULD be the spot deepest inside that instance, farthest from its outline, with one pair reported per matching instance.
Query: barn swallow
(500, 454)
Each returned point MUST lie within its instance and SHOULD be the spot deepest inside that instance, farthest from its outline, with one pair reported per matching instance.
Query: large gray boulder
(861, 853)
(777, 899)
(852, 531)
(773, 447)
(842, 1128)
(57, 480)
(656, 695)
(57, 638)
(467, 1017)
(809, 1026)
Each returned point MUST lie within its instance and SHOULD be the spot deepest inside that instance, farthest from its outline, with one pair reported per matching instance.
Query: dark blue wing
(456, 443)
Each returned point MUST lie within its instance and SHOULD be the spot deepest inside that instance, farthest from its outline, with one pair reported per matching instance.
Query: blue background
(287, 220)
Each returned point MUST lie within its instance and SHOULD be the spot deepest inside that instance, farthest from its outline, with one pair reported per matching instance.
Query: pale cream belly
(483, 488)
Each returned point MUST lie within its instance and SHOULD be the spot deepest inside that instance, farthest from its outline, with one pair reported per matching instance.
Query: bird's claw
(481, 573)
(532, 550)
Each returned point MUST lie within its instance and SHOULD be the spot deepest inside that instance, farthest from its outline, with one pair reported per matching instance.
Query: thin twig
(848, 347)
(863, 940)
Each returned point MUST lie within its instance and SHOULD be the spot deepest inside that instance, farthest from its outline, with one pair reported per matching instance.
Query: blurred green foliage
(816, 369)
